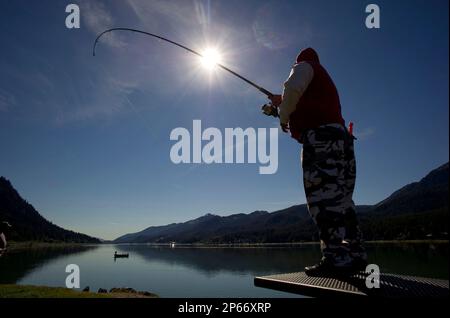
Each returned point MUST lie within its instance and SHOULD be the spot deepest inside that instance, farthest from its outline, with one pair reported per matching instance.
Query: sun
(210, 58)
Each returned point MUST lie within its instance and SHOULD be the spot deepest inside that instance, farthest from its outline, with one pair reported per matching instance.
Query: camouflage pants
(329, 173)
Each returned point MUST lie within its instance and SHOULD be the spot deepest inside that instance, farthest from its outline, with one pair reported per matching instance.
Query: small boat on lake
(120, 255)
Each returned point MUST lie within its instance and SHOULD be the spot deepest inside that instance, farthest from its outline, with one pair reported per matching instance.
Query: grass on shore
(24, 291)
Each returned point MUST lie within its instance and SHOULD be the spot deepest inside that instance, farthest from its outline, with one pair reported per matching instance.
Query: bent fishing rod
(261, 89)
(269, 110)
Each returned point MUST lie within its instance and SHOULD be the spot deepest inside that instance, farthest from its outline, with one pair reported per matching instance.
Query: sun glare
(210, 58)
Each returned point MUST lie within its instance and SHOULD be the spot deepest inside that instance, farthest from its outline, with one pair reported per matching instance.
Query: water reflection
(420, 259)
(16, 264)
(256, 261)
(200, 272)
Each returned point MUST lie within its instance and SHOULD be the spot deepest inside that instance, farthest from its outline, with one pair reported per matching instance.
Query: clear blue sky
(86, 140)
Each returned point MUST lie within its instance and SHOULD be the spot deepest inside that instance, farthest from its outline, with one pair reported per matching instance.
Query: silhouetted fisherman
(311, 110)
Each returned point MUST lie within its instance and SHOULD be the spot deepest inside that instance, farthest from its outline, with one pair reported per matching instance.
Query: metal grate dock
(391, 285)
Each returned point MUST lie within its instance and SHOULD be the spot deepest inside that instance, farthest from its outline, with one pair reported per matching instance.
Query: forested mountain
(416, 211)
(28, 224)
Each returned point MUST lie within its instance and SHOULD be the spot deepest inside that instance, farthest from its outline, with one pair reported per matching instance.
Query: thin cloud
(113, 99)
(274, 35)
(181, 12)
(97, 19)
(7, 100)
(365, 133)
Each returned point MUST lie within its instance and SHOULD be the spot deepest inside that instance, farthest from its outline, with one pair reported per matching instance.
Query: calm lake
(200, 272)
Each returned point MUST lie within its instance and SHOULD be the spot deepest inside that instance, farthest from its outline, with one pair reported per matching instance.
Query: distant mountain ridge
(28, 224)
(236, 227)
(416, 211)
(418, 196)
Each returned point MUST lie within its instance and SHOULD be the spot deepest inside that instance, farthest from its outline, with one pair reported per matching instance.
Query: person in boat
(120, 255)
(310, 110)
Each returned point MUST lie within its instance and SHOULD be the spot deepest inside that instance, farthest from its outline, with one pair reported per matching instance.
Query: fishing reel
(270, 110)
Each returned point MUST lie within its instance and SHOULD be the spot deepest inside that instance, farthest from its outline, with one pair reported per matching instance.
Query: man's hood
(308, 54)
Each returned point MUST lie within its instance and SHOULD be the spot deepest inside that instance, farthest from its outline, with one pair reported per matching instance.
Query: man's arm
(294, 87)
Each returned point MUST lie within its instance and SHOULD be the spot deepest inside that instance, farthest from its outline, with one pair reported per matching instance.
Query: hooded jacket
(314, 94)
